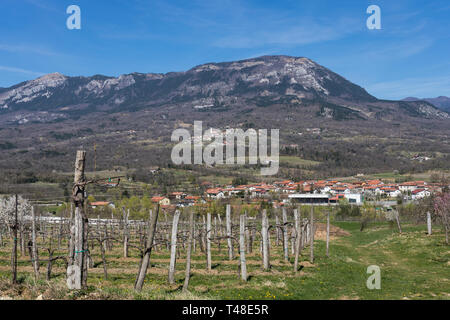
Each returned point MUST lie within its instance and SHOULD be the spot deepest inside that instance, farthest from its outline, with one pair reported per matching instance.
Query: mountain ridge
(262, 81)
(441, 102)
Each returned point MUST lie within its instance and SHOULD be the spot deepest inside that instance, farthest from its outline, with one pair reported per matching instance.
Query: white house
(354, 198)
(420, 194)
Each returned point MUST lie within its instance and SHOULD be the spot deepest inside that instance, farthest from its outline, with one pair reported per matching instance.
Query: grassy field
(413, 266)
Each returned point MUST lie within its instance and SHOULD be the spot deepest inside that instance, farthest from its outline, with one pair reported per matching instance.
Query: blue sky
(409, 56)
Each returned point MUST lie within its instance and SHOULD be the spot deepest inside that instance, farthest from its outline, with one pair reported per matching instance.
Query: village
(311, 192)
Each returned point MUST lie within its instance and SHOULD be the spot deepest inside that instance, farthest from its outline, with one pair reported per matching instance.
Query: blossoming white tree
(8, 207)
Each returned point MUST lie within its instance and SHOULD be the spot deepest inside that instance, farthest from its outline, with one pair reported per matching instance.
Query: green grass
(413, 266)
(296, 161)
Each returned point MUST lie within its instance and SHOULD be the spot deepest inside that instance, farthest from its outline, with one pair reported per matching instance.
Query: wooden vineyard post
(208, 241)
(429, 223)
(14, 251)
(189, 251)
(34, 251)
(328, 233)
(277, 223)
(265, 245)
(247, 235)
(297, 239)
(145, 259)
(76, 273)
(71, 252)
(397, 218)
(194, 244)
(285, 236)
(242, 248)
(229, 233)
(125, 232)
(173, 247)
(311, 235)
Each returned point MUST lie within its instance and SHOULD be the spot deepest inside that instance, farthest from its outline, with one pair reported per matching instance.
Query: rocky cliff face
(263, 81)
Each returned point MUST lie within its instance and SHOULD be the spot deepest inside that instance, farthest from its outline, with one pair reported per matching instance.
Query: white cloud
(19, 70)
(26, 49)
(305, 31)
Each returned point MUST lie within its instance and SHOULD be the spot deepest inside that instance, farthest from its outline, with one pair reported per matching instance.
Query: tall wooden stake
(242, 248)
(311, 236)
(189, 251)
(265, 245)
(429, 223)
(229, 233)
(297, 239)
(173, 247)
(80, 224)
(285, 236)
(14, 252)
(34, 251)
(146, 256)
(328, 233)
(208, 241)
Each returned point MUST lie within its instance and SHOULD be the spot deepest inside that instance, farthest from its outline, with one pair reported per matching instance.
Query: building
(420, 194)
(96, 204)
(309, 198)
(354, 198)
(163, 201)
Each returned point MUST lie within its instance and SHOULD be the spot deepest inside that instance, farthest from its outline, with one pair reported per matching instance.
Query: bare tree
(442, 209)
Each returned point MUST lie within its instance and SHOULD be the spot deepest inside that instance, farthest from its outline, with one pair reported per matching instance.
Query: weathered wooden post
(125, 232)
(229, 233)
(265, 245)
(328, 233)
(173, 247)
(247, 235)
(242, 248)
(77, 272)
(397, 218)
(208, 241)
(297, 239)
(194, 243)
(277, 224)
(145, 259)
(429, 223)
(285, 236)
(14, 251)
(34, 251)
(311, 235)
(189, 251)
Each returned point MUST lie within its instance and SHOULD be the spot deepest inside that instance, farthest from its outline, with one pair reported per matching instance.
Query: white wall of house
(353, 198)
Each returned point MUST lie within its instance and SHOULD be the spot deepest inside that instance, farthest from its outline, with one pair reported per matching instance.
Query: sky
(408, 56)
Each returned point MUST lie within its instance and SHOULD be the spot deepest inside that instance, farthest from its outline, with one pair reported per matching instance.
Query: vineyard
(292, 252)
(414, 264)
